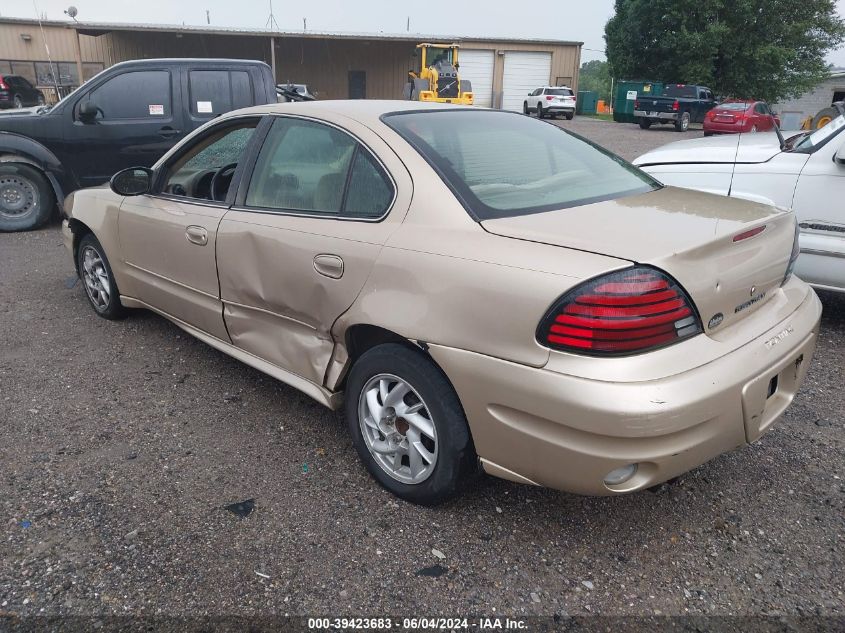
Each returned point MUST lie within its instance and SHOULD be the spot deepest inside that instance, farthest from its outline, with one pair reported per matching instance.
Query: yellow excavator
(438, 79)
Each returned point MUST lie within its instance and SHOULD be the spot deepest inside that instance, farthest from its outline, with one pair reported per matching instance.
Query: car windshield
(680, 91)
(501, 164)
(821, 136)
(563, 92)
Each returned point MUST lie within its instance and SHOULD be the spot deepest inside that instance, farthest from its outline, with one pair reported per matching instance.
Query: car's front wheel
(407, 424)
(98, 279)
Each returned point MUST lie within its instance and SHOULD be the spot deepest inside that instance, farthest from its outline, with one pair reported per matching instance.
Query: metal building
(794, 111)
(336, 65)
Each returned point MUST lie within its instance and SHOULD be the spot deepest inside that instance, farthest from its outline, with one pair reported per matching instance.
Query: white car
(550, 101)
(802, 171)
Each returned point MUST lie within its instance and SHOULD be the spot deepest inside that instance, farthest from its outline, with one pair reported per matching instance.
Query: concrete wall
(811, 102)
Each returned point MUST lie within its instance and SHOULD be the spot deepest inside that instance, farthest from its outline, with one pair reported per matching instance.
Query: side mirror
(88, 111)
(134, 181)
(839, 156)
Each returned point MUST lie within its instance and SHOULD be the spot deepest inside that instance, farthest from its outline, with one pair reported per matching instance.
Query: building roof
(101, 28)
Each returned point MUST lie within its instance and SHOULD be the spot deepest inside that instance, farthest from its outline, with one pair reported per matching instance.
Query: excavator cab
(438, 78)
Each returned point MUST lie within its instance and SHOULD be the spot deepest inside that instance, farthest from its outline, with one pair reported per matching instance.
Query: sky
(565, 19)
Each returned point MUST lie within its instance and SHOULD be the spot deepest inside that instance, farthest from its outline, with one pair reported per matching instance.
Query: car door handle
(197, 235)
(168, 132)
(329, 266)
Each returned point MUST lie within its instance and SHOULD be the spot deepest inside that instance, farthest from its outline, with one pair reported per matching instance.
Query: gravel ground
(123, 442)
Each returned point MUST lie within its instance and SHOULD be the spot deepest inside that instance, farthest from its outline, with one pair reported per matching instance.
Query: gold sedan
(473, 286)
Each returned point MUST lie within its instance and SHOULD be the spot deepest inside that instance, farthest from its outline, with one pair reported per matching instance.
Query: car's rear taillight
(636, 105)
(549, 97)
(3, 85)
(677, 105)
(793, 257)
(626, 312)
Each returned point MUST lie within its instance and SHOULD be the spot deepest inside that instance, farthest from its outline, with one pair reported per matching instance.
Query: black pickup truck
(680, 104)
(129, 114)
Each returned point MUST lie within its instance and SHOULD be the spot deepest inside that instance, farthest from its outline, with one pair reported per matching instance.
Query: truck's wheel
(644, 123)
(26, 198)
(824, 117)
(682, 124)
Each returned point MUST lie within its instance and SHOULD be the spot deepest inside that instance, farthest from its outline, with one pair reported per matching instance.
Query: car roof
(367, 111)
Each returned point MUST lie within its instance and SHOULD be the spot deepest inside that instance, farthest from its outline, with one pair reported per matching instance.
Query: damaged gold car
(471, 285)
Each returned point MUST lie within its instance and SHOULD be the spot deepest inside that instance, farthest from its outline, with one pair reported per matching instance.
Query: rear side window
(309, 167)
(526, 167)
(214, 92)
(140, 94)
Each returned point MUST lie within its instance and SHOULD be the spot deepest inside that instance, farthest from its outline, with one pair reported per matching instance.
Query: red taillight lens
(636, 105)
(3, 85)
(549, 97)
(626, 312)
(677, 105)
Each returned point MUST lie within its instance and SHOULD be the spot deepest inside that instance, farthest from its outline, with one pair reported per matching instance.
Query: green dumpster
(626, 92)
(586, 102)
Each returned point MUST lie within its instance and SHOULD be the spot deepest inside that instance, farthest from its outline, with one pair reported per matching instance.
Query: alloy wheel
(96, 278)
(397, 429)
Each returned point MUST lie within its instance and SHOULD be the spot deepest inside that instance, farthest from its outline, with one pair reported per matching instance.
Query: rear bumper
(567, 432)
(559, 108)
(652, 116)
(726, 128)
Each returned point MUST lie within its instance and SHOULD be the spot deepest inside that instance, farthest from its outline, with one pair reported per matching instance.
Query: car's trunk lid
(695, 237)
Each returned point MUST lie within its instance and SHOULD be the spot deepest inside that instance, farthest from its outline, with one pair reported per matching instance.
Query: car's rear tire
(98, 279)
(682, 124)
(708, 134)
(525, 107)
(26, 198)
(539, 110)
(570, 116)
(644, 123)
(18, 102)
(407, 424)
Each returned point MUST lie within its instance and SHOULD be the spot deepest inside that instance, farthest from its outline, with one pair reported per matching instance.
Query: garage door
(524, 72)
(477, 66)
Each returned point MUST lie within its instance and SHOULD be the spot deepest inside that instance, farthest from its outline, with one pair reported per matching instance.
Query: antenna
(271, 24)
(47, 50)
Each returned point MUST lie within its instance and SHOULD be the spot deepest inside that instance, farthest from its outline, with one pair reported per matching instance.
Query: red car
(735, 116)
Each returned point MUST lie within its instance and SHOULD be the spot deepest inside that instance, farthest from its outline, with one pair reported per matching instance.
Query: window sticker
(156, 110)
(204, 106)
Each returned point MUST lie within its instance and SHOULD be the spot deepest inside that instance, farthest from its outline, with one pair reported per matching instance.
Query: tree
(760, 49)
(595, 75)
